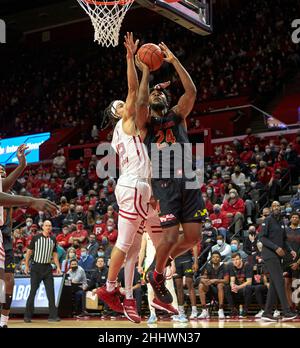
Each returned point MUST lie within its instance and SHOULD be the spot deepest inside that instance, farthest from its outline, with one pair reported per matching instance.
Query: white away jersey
(134, 162)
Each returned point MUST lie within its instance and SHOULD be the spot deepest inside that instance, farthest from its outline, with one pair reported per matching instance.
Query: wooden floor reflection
(88, 322)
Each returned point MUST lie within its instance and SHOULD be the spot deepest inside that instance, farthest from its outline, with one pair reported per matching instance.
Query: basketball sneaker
(152, 319)
(111, 298)
(204, 314)
(130, 310)
(151, 268)
(181, 318)
(160, 290)
(156, 303)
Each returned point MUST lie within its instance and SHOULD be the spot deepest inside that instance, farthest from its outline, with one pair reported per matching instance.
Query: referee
(42, 246)
(275, 246)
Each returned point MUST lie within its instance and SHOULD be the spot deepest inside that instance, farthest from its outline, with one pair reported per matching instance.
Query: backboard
(195, 15)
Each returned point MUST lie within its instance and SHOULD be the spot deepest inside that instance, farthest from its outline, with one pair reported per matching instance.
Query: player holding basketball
(176, 189)
(133, 192)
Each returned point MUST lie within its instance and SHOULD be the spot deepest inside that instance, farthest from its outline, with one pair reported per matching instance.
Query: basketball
(151, 55)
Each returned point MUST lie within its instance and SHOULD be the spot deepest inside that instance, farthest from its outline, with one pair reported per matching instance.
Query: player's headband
(113, 108)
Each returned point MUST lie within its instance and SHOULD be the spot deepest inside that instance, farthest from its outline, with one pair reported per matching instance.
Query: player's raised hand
(22, 155)
(130, 44)
(141, 66)
(44, 205)
(169, 55)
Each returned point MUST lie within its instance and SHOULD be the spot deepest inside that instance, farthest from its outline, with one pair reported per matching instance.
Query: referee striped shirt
(43, 248)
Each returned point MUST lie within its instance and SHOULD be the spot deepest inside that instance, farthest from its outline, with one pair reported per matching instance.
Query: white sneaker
(221, 313)
(194, 315)
(259, 314)
(249, 221)
(204, 314)
(276, 314)
(181, 318)
(152, 319)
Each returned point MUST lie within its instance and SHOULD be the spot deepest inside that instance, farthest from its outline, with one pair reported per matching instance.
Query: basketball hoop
(107, 18)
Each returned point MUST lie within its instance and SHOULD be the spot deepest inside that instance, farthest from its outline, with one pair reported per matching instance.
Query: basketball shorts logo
(168, 217)
(201, 213)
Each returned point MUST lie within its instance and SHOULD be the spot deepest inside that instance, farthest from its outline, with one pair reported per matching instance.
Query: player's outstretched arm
(8, 183)
(142, 104)
(7, 200)
(187, 100)
(132, 78)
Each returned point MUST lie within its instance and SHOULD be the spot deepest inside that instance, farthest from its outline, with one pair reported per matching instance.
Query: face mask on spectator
(288, 149)
(253, 184)
(232, 195)
(256, 149)
(95, 187)
(109, 228)
(79, 194)
(72, 255)
(83, 253)
(215, 181)
(234, 248)
(254, 170)
(219, 242)
(209, 192)
(268, 151)
(46, 189)
(28, 223)
(207, 225)
(288, 209)
(100, 253)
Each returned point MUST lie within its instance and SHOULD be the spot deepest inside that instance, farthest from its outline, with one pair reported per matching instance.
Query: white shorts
(133, 202)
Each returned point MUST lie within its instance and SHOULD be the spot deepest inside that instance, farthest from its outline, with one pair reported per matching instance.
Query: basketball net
(107, 18)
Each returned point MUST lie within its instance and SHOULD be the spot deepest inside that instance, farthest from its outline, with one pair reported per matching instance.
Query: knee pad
(8, 301)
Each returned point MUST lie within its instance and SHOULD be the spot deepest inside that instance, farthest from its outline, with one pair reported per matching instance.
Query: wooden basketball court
(88, 322)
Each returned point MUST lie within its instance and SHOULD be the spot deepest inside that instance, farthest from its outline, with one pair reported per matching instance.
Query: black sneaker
(151, 268)
(160, 290)
(27, 320)
(268, 317)
(289, 316)
(52, 320)
(3, 327)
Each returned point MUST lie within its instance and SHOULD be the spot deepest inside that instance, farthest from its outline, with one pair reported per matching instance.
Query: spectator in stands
(87, 262)
(208, 203)
(99, 274)
(111, 233)
(222, 247)
(71, 216)
(59, 162)
(213, 280)
(264, 174)
(219, 220)
(235, 247)
(209, 238)
(250, 245)
(19, 251)
(265, 213)
(111, 213)
(70, 255)
(63, 238)
(92, 246)
(80, 215)
(33, 231)
(239, 291)
(239, 179)
(26, 229)
(270, 155)
(295, 201)
(79, 235)
(235, 207)
(79, 285)
(48, 193)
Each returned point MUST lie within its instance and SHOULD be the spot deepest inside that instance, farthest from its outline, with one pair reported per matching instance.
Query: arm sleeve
(265, 236)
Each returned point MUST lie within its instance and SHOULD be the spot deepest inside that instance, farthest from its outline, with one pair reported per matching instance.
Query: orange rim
(109, 3)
